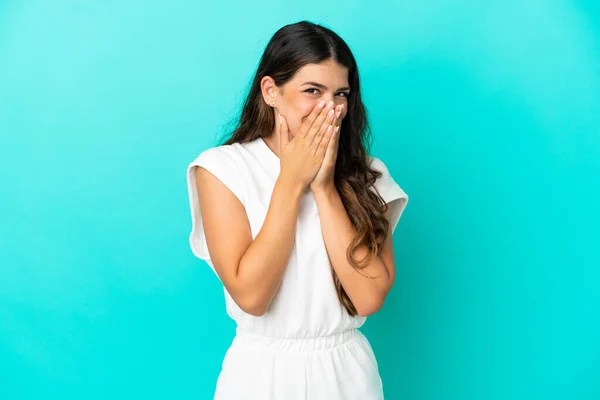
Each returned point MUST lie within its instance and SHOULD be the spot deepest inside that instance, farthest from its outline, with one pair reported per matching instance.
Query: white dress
(306, 346)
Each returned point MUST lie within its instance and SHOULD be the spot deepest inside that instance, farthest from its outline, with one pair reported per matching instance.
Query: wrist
(290, 185)
(324, 191)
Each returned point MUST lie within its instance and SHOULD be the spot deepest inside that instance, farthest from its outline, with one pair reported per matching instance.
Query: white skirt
(336, 367)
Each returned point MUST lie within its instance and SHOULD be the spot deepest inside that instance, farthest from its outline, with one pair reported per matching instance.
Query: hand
(301, 158)
(324, 177)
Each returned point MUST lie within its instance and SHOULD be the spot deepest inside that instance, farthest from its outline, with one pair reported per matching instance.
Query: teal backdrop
(487, 114)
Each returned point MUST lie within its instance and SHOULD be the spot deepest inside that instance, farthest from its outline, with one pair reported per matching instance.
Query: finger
(284, 132)
(329, 121)
(331, 152)
(324, 144)
(316, 111)
(335, 141)
(330, 155)
(318, 123)
(338, 116)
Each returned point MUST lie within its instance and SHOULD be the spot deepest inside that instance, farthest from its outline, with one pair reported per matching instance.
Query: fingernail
(279, 117)
(322, 104)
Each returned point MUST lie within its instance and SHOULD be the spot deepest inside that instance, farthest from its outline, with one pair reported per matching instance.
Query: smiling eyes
(309, 91)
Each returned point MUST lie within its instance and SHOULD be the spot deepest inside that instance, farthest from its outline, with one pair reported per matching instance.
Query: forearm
(262, 267)
(367, 289)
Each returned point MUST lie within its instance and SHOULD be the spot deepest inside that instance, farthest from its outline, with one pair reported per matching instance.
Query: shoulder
(378, 164)
(390, 190)
(224, 159)
(385, 184)
(225, 163)
(223, 154)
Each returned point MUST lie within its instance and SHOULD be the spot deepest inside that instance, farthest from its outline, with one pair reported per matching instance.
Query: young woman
(296, 219)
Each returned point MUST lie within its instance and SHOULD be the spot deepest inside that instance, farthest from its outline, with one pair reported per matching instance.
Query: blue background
(487, 114)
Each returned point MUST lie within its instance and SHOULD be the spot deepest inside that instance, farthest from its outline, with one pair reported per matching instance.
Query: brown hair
(290, 48)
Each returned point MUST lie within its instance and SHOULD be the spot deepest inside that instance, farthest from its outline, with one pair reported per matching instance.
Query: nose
(329, 97)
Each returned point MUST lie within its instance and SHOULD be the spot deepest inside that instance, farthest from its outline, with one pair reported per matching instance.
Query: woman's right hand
(301, 157)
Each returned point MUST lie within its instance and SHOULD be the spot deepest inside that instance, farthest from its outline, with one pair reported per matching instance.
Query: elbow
(373, 304)
(255, 311)
(251, 301)
(370, 308)
(253, 306)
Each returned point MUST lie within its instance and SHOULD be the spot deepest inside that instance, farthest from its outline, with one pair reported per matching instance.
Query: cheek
(305, 108)
(300, 113)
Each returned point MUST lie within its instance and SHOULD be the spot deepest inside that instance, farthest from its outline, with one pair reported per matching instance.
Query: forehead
(328, 72)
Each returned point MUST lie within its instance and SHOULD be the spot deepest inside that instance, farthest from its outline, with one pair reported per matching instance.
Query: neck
(273, 139)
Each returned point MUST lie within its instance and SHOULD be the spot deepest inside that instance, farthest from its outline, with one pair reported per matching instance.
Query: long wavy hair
(290, 48)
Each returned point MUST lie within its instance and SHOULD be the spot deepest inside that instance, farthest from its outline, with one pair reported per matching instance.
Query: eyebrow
(320, 86)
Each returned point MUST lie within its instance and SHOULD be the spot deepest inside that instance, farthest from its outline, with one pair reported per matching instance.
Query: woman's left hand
(324, 178)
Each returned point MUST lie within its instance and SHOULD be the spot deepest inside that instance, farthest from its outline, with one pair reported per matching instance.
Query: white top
(306, 304)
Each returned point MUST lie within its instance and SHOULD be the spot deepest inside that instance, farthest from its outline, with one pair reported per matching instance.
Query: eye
(345, 94)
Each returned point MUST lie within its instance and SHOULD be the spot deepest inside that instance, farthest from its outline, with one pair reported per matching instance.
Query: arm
(251, 270)
(367, 293)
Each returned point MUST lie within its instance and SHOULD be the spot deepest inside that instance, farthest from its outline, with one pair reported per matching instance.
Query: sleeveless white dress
(306, 346)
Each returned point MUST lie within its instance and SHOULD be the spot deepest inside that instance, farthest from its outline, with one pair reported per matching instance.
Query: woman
(296, 219)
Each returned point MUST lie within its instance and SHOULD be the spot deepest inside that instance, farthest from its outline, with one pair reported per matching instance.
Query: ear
(269, 91)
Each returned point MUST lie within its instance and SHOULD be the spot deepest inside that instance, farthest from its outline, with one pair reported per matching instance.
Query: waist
(256, 340)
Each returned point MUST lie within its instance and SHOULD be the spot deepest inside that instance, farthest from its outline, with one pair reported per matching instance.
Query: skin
(298, 98)
(252, 270)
